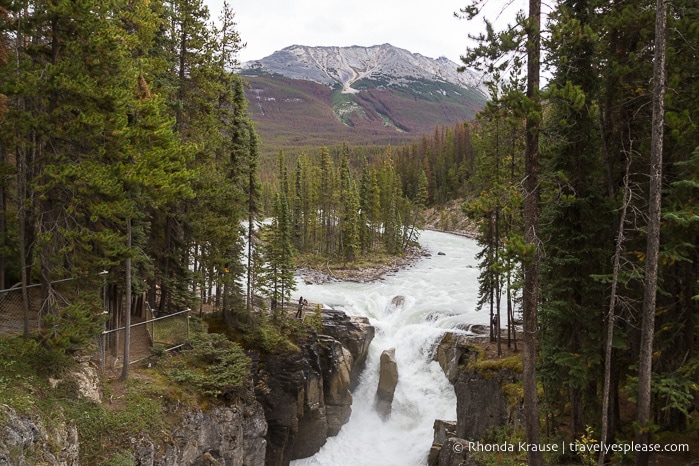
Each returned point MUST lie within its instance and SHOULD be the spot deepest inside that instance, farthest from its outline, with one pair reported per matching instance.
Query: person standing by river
(302, 302)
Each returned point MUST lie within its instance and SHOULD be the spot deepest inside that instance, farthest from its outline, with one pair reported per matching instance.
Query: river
(440, 293)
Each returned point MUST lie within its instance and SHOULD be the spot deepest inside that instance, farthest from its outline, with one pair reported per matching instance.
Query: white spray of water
(440, 294)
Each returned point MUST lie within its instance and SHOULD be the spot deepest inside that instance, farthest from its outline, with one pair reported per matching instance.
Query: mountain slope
(309, 96)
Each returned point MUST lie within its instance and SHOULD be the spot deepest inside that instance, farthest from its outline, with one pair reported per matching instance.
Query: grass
(513, 363)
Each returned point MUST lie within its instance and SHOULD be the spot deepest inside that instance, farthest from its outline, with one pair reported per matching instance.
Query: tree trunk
(127, 312)
(531, 221)
(653, 245)
(3, 222)
(611, 316)
(22, 233)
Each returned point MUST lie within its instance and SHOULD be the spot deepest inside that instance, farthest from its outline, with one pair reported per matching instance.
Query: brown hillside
(293, 113)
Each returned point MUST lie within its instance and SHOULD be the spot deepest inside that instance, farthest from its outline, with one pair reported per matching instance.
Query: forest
(126, 147)
(586, 199)
(124, 135)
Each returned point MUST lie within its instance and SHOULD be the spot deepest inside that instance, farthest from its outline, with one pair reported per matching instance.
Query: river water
(440, 293)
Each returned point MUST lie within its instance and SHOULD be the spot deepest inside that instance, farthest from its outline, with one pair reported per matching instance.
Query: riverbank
(447, 219)
(365, 271)
(450, 219)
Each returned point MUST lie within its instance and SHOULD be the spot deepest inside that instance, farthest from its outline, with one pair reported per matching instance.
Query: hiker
(299, 313)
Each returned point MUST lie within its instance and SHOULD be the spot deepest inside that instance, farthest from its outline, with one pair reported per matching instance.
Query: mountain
(312, 96)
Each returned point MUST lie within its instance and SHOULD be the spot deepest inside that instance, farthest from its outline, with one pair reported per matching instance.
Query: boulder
(88, 382)
(388, 379)
(397, 303)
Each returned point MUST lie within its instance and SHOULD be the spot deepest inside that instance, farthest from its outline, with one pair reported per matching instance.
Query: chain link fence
(13, 316)
(149, 334)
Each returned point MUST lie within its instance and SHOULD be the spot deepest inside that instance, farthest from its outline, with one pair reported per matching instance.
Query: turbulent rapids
(411, 310)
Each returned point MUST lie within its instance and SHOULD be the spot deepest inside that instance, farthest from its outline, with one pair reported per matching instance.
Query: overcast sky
(427, 27)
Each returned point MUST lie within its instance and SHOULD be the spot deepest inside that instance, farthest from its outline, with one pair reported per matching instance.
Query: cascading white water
(440, 293)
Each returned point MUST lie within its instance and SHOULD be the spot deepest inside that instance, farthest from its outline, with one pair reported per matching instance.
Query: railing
(166, 333)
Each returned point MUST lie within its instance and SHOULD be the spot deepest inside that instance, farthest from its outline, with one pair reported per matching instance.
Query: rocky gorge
(287, 411)
(298, 403)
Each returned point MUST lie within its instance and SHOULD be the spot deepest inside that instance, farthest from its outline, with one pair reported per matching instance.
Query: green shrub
(274, 338)
(315, 320)
(214, 366)
(71, 329)
(25, 366)
(103, 432)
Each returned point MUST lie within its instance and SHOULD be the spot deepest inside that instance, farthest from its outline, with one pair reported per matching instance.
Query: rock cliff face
(224, 435)
(484, 399)
(354, 333)
(26, 440)
(306, 396)
(453, 352)
(481, 403)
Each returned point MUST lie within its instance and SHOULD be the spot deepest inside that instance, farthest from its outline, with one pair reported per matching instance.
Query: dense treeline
(446, 158)
(343, 207)
(594, 220)
(126, 147)
(350, 203)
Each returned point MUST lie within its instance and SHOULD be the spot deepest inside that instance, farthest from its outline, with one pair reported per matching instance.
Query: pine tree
(643, 414)
(576, 219)
(278, 255)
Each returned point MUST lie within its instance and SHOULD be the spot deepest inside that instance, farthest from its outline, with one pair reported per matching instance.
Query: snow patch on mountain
(344, 66)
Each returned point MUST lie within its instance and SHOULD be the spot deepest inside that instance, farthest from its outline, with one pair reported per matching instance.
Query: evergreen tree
(278, 255)
(576, 219)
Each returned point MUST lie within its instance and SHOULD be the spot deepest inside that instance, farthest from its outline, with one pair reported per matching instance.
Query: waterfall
(440, 294)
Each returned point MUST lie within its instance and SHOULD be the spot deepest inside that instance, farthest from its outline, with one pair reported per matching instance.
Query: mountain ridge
(303, 95)
(334, 65)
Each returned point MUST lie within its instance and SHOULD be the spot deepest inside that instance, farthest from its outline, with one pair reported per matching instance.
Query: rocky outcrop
(24, 436)
(487, 396)
(290, 407)
(26, 440)
(453, 352)
(354, 333)
(454, 452)
(443, 430)
(388, 379)
(88, 382)
(290, 388)
(306, 396)
(223, 435)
